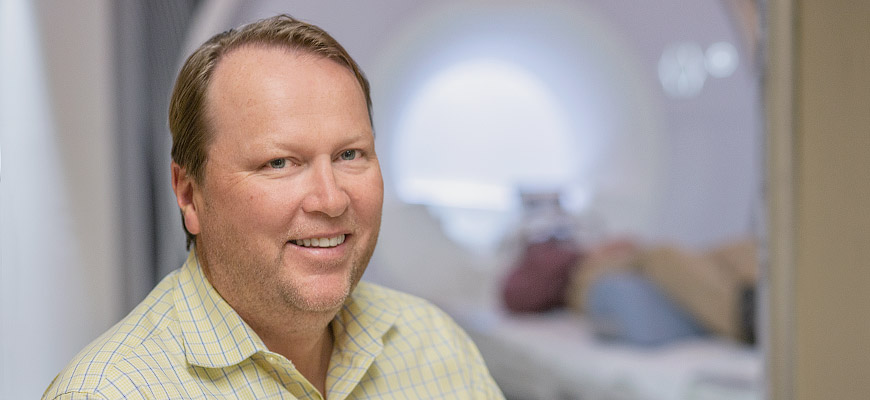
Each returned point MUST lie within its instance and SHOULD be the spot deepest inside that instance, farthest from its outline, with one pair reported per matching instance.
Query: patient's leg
(697, 283)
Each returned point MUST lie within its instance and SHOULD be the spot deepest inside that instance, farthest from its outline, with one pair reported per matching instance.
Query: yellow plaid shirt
(185, 342)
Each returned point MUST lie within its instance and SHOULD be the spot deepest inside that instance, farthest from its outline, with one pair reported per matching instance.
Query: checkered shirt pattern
(185, 342)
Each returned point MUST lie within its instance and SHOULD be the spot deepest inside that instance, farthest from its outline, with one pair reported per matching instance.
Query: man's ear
(184, 187)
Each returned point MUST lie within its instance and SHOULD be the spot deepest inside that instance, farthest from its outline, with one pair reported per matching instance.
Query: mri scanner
(644, 115)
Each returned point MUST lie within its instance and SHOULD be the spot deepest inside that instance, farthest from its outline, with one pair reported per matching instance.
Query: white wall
(59, 278)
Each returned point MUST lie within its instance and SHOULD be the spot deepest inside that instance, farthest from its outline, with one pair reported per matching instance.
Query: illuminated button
(682, 70)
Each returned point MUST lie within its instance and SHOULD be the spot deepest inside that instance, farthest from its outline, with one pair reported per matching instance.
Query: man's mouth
(320, 242)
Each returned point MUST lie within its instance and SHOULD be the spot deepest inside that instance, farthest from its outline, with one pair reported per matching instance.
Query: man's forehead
(256, 82)
(246, 60)
(258, 63)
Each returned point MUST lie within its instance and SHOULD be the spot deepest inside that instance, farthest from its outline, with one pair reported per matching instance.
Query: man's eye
(278, 163)
(348, 155)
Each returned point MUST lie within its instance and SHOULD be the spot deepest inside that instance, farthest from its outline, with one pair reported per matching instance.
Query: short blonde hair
(187, 106)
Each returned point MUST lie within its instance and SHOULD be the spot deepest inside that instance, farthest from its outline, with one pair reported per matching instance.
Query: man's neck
(306, 340)
(310, 354)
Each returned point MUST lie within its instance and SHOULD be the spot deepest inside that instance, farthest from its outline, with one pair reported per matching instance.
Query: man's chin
(322, 297)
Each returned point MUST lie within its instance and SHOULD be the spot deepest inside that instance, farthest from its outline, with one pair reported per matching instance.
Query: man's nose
(325, 194)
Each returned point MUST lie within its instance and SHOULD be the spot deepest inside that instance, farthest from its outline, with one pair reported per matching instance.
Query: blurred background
(583, 185)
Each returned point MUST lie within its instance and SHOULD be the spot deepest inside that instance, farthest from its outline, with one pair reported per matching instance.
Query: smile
(320, 242)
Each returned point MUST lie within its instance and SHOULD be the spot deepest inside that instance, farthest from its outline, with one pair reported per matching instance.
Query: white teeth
(320, 242)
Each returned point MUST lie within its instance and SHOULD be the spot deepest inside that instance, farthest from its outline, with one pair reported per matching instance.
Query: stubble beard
(316, 302)
(257, 286)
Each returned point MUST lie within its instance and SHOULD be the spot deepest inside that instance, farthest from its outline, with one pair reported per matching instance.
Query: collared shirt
(184, 341)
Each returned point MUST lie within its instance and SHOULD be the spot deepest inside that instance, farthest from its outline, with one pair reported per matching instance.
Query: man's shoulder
(425, 342)
(146, 330)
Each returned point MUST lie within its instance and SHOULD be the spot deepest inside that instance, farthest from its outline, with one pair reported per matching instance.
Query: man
(275, 172)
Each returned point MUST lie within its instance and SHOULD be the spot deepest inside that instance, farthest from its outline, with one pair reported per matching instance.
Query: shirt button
(271, 359)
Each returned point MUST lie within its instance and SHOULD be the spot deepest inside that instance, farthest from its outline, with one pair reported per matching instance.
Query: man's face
(289, 208)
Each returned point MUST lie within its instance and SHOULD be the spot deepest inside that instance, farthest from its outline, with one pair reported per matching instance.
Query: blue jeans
(629, 307)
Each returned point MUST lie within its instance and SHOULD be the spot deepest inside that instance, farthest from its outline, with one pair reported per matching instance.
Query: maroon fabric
(539, 279)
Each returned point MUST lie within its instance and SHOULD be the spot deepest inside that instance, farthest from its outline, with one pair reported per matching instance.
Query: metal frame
(779, 313)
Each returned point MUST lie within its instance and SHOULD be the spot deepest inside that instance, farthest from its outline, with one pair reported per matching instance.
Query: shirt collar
(215, 336)
(364, 319)
(359, 330)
